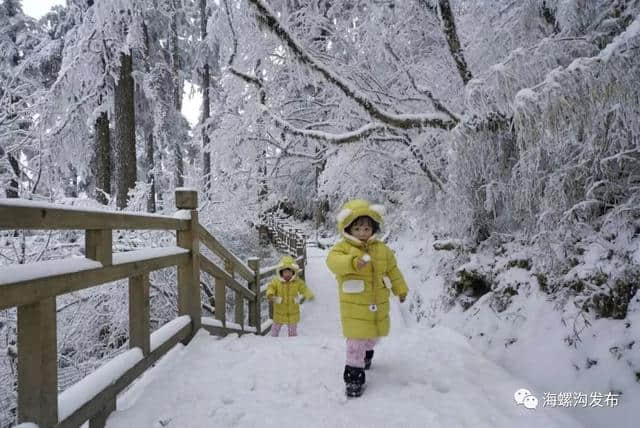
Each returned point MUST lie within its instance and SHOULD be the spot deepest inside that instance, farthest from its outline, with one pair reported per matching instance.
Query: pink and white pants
(275, 329)
(356, 350)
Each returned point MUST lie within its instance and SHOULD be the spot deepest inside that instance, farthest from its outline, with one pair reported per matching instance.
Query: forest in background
(495, 125)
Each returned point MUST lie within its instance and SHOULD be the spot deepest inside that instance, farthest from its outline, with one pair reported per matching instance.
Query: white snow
(168, 330)
(81, 392)
(420, 377)
(26, 203)
(182, 214)
(228, 324)
(30, 271)
(147, 253)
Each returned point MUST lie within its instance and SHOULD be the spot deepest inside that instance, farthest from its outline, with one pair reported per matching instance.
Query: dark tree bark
(103, 158)
(206, 104)
(149, 140)
(125, 132)
(12, 190)
(451, 34)
(177, 94)
(150, 151)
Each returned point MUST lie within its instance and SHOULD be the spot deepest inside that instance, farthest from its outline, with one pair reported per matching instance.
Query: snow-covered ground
(530, 338)
(420, 377)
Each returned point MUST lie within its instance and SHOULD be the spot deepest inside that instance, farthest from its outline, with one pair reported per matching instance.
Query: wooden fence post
(139, 313)
(38, 363)
(300, 252)
(255, 318)
(221, 301)
(189, 273)
(238, 300)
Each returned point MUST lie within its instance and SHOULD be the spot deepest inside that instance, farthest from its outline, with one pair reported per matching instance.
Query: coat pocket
(353, 286)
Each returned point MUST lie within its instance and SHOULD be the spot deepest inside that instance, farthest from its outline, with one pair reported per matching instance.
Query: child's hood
(357, 208)
(287, 262)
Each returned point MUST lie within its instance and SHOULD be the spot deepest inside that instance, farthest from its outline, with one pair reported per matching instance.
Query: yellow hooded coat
(364, 294)
(286, 307)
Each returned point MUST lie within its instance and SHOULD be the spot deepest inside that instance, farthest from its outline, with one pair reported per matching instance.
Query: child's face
(287, 274)
(362, 230)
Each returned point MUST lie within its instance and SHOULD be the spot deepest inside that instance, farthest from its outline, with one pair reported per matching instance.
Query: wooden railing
(33, 289)
(286, 237)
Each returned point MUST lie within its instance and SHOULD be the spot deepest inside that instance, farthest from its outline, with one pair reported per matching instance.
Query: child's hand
(362, 261)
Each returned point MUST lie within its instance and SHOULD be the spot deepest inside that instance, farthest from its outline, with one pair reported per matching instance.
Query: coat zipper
(373, 287)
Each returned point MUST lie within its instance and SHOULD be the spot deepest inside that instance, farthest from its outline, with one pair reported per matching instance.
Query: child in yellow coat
(286, 291)
(367, 274)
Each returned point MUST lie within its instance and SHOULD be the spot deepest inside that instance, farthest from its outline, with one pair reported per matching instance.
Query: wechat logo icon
(524, 397)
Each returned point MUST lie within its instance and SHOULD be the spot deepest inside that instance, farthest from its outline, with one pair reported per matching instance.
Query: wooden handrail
(217, 248)
(213, 270)
(21, 214)
(30, 283)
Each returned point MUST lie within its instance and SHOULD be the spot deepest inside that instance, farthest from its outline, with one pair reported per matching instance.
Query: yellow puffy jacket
(286, 307)
(364, 294)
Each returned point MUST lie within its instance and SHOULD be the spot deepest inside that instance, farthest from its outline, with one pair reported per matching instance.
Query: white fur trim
(343, 214)
(352, 238)
(295, 266)
(377, 208)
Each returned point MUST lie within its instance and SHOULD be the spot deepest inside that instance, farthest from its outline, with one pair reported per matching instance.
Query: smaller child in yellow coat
(286, 291)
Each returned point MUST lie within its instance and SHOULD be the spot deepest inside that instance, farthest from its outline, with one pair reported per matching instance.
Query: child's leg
(356, 349)
(370, 344)
(368, 355)
(293, 329)
(275, 329)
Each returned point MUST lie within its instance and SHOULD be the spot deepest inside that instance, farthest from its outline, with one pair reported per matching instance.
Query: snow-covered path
(420, 377)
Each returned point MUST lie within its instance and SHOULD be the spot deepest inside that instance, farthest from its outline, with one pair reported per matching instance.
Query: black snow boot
(354, 381)
(367, 359)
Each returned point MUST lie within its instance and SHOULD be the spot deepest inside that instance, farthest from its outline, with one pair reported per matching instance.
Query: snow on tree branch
(403, 121)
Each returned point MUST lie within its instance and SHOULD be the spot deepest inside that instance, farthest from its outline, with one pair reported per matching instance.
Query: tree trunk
(125, 132)
(149, 149)
(103, 158)
(149, 141)
(206, 104)
(451, 34)
(177, 93)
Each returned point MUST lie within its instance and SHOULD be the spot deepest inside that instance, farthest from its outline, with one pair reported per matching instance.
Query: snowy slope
(420, 377)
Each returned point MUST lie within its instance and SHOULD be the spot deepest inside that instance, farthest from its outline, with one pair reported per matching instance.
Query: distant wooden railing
(286, 237)
(33, 289)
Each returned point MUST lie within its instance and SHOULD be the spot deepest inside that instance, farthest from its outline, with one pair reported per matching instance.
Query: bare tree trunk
(149, 149)
(206, 103)
(451, 34)
(125, 132)
(177, 92)
(12, 190)
(103, 158)
(149, 141)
